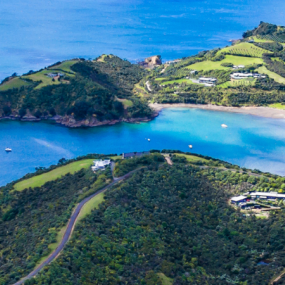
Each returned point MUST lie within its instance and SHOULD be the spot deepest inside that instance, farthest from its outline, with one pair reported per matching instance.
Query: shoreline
(70, 122)
(265, 112)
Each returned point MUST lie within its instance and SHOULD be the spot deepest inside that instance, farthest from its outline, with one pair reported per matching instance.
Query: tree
(7, 110)
(22, 112)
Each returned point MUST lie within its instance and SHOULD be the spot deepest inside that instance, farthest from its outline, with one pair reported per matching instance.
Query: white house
(207, 81)
(100, 164)
(238, 199)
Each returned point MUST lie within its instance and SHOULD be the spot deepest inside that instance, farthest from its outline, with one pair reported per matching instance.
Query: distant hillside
(99, 90)
(259, 57)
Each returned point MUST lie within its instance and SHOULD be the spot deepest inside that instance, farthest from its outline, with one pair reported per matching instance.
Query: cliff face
(153, 61)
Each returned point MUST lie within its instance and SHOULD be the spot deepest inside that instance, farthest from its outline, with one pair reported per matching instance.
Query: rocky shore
(70, 122)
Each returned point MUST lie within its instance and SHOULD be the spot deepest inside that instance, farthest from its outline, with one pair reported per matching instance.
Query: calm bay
(250, 141)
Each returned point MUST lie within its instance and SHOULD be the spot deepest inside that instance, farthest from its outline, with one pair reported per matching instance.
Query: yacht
(148, 140)
(224, 126)
(7, 149)
(190, 145)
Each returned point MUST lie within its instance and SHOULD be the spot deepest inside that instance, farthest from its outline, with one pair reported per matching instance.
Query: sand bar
(256, 111)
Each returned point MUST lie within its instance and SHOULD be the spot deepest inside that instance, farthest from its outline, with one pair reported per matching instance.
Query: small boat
(190, 146)
(7, 149)
(224, 126)
(148, 140)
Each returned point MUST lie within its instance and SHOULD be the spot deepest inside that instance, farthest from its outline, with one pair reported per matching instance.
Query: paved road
(69, 230)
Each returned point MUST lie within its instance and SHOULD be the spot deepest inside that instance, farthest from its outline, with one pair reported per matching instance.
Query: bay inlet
(249, 141)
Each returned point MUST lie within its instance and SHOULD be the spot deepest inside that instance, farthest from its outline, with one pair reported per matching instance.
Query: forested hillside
(100, 90)
(166, 224)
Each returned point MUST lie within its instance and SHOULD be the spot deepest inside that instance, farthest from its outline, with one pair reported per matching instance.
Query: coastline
(70, 122)
(265, 112)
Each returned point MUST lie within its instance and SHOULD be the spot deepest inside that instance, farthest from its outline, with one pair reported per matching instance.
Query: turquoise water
(249, 141)
(37, 33)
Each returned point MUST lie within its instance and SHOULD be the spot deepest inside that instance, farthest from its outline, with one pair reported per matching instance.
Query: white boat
(224, 126)
(7, 149)
(190, 146)
(148, 140)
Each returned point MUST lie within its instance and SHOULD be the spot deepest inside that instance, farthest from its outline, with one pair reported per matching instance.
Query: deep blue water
(249, 141)
(37, 33)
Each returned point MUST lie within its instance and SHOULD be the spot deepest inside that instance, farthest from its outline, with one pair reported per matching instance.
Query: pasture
(216, 65)
(276, 77)
(15, 82)
(39, 180)
(41, 76)
(65, 65)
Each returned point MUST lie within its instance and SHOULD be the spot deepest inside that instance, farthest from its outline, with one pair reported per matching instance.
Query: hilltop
(169, 222)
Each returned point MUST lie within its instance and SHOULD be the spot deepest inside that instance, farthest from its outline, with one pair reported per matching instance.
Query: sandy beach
(256, 111)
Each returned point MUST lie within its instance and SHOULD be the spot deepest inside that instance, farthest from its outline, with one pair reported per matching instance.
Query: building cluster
(134, 154)
(100, 164)
(53, 75)
(243, 201)
(208, 81)
(172, 61)
(238, 66)
(240, 75)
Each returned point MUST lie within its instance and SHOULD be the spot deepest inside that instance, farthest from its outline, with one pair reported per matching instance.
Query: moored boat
(7, 149)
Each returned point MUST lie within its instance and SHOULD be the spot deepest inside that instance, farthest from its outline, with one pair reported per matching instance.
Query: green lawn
(260, 40)
(13, 83)
(41, 76)
(192, 158)
(65, 66)
(90, 205)
(41, 179)
(235, 60)
(244, 49)
(276, 77)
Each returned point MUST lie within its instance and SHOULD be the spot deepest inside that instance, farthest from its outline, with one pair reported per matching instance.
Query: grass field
(13, 83)
(164, 279)
(41, 76)
(187, 81)
(260, 40)
(235, 60)
(41, 179)
(276, 77)
(192, 158)
(90, 205)
(244, 49)
(65, 66)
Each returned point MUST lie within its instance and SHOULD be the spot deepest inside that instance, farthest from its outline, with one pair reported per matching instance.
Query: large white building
(207, 81)
(100, 164)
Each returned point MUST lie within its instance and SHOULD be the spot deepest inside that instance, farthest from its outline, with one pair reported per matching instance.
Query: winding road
(69, 229)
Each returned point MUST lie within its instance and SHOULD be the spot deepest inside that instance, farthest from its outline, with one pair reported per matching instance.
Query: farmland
(273, 75)
(13, 83)
(246, 49)
(216, 65)
(65, 65)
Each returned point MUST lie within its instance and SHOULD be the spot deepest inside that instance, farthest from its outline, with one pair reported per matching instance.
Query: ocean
(35, 34)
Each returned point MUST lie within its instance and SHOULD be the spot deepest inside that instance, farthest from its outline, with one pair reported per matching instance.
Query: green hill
(165, 224)
(97, 90)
